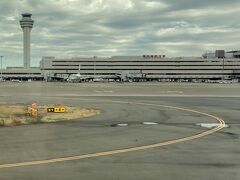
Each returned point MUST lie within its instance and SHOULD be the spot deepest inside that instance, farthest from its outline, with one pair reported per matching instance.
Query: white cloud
(155, 4)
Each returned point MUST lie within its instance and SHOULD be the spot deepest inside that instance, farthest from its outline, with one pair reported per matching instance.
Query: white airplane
(78, 77)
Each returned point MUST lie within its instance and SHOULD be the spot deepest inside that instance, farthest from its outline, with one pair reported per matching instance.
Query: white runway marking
(122, 125)
(210, 125)
(178, 92)
(103, 91)
(150, 123)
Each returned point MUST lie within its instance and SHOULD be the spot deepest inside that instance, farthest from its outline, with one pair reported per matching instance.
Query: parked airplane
(78, 77)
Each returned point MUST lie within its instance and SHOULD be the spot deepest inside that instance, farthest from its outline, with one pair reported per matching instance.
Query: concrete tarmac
(215, 156)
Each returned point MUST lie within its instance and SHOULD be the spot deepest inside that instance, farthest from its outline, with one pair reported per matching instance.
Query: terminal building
(217, 66)
(209, 67)
(19, 73)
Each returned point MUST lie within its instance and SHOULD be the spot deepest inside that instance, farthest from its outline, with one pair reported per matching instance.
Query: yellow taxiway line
(126, 150)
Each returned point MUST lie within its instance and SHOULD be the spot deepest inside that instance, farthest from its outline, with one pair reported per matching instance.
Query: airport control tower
(26, 24)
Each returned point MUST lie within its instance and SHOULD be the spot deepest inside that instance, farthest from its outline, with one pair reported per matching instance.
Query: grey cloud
(130, 27)
(199, 4)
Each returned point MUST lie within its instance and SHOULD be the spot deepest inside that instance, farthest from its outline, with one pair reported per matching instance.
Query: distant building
(21, 73)
(234, 54)
(222, 54)
(149, 68)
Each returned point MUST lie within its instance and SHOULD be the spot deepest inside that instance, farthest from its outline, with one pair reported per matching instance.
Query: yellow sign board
(59, 110)
(56, 110)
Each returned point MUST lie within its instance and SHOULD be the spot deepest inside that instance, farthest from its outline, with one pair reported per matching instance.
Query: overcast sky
(70, 28)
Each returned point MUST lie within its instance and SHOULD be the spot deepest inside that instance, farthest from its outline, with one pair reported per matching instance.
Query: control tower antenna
(26, 24)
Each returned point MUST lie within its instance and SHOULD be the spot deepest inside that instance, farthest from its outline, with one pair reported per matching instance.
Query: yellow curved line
(125, 150)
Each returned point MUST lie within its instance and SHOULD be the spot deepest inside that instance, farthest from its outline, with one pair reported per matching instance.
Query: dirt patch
(15, 115)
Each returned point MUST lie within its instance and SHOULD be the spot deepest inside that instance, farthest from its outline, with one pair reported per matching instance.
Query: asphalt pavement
(215, 156)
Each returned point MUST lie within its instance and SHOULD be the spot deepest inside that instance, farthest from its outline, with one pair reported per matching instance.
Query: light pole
(223, 70)
(94, 67)
(1, 68)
